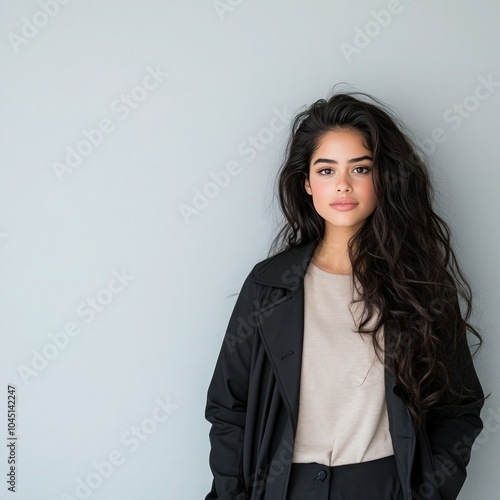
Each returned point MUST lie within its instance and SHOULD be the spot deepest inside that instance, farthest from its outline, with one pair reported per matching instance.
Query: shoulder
(262, 265)
(285, 268)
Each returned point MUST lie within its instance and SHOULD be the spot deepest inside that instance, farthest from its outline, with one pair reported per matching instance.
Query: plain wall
(114, 301)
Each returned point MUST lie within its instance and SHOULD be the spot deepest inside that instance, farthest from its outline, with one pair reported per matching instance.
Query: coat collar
(287, 268)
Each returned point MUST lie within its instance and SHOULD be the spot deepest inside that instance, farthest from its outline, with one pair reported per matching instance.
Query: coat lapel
(282, 322)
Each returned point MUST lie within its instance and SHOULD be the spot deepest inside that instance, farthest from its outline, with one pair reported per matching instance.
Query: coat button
(321, 475)
(282, 470)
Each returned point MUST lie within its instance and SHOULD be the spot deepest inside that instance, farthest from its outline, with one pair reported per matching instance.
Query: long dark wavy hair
(405, 264)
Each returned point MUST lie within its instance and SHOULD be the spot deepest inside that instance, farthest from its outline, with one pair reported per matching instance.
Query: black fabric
(253, 398)
(374, 479)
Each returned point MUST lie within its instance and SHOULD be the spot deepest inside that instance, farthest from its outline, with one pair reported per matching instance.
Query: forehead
(341, 142)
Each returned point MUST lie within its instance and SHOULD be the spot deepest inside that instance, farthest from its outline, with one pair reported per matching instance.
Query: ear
(307, 186)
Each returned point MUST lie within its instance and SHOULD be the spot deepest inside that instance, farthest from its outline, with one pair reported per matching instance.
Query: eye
(323, 169)
(327, 171)
(366, 168)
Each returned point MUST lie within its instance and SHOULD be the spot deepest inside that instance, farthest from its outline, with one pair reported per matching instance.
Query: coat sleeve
(227, 400)
(452, 431)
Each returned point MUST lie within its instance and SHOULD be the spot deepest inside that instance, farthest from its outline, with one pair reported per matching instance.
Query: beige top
(342, 413)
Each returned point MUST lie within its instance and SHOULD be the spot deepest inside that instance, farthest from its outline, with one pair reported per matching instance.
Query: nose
(343, 183)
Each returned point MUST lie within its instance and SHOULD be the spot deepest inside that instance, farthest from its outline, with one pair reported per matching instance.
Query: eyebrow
(352, 160)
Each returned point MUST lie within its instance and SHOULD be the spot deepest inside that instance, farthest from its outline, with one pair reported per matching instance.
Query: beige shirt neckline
(316, 269)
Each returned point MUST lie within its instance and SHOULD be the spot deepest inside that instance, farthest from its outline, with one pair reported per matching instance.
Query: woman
(345, 371)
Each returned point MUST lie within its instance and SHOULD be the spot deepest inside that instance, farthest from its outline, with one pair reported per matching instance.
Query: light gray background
(232, 66)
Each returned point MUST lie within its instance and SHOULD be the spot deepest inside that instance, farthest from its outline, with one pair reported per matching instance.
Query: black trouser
(371, 480)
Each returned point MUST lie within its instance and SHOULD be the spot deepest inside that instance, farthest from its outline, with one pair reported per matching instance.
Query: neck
(332, 254)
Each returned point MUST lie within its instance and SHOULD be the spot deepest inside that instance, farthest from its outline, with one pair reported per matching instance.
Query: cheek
(321, 191)
(368, 193)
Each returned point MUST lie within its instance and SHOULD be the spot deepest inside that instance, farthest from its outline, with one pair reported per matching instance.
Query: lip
(343, 201)
(344, 204)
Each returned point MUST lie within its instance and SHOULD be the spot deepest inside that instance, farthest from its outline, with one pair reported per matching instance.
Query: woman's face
(341, 167)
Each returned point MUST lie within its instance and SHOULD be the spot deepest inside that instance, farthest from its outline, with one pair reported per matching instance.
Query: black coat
(253, 399)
